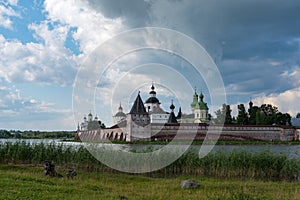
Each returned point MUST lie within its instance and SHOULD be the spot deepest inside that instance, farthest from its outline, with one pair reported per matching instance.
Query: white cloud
(11, 2)
(287, 101)
(49, 60)
(92, 28)
(45, 62)
(292, 76)
(18, 112)
(6, 12)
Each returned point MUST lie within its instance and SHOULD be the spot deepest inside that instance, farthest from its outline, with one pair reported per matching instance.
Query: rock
(189, 184)
(122, 197)
(71, 173)
(49, 170)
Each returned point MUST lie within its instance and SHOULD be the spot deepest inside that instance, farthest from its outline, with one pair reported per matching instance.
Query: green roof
(202, 105)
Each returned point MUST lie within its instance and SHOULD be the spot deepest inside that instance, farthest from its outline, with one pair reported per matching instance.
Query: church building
(152, 105)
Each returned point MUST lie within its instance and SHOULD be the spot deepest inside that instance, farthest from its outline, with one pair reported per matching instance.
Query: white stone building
(152, 106)
(119, 116)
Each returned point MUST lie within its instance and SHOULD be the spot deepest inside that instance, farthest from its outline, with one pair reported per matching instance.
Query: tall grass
(235, 164)
(239, 163)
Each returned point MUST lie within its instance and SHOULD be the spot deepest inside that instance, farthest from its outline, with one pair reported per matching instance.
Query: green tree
(223, 115)
(260, 118)
(209, 117)
(5, 134)
(283, 119)
(228, 117)
(298, 115)
(269, 112)
(220, 115)
(242, 117)
(252, 114)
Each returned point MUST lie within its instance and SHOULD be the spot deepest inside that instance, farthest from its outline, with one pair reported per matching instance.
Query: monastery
(147, 121)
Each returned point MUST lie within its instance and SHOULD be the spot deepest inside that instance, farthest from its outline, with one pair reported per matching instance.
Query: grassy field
(29, 182)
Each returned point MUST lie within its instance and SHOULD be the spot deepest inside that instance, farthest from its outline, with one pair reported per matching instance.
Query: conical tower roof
(138, 106)
(172, 118)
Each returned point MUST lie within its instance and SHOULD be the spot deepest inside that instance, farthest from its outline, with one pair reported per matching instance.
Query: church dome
(172, 107)
(120, 114)
(152, 100)
(202, 106)
(152, 92)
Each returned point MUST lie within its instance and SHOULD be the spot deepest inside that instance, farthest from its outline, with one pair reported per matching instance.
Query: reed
(263, 165)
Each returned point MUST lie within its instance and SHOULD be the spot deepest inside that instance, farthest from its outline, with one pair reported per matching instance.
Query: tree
(260, 118)
(298, 115)
(5, 134)
(252, 114)
(209, 117)
(242, 117)
(220, 115)
(223, 115)
(228, 117)
(269, 114)
(283, 119)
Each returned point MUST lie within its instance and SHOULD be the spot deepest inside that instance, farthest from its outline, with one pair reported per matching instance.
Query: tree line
(266, 114)
(36, 134)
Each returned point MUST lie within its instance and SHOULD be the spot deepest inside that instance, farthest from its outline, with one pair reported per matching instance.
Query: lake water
(292, 150)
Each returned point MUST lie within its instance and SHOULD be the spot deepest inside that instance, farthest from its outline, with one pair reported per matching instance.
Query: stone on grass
(49, 170)
(189, 184)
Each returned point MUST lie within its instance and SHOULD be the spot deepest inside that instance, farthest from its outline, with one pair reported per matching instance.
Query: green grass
(25, 182)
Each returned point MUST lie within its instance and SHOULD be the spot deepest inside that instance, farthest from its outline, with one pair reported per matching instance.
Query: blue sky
(43, 43)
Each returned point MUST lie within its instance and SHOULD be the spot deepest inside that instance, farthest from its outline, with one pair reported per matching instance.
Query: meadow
(29, 182)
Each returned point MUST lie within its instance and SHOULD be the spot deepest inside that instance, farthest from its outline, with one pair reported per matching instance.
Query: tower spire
(172, 118)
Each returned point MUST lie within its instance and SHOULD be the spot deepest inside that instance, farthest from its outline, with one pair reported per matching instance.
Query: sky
(45, 44)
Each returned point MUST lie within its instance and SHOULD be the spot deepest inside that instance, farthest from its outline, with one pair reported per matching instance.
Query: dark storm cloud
(245, 38)
(240, 28)
(134, 12)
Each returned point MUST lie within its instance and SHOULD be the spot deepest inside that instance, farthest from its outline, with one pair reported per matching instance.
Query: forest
(36, 134)
(266, 114)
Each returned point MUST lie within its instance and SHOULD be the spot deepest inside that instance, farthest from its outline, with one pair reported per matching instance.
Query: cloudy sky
(43, 44)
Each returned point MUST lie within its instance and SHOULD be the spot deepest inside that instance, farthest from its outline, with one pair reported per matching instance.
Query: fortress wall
(227, 132)
(102, 134)
(190, 131)
(288, 134)
(297, 135)
(140, 133)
